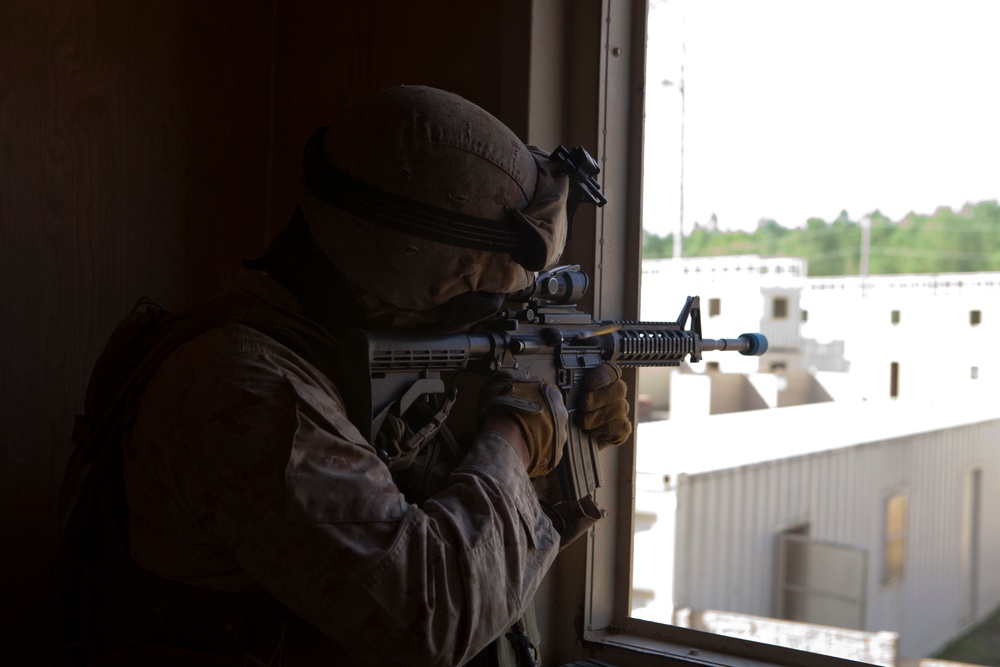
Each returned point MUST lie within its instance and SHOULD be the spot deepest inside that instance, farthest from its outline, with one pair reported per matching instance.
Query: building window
(714, 307)
(894, 553)
(805, 315)
(894, 317)
(975, 317)
(972, 511)
(894, 380)
(975, 372)
(779, 308)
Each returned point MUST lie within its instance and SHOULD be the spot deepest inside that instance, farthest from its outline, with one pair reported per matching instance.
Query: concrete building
(861, 502)
(909, 335)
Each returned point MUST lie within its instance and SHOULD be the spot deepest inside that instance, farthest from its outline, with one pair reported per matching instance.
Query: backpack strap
(142, 341)
(93, 511)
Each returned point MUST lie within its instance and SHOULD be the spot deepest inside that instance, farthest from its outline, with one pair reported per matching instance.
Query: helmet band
(333, 185)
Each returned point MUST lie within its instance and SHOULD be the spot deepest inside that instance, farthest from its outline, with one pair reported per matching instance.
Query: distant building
(863, 501)
(829, 338)
(911, 335)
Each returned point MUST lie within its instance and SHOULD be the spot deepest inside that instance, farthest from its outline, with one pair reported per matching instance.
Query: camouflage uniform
(243, 472)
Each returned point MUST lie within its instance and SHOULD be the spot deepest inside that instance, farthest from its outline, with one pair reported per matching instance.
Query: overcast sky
(803, 108)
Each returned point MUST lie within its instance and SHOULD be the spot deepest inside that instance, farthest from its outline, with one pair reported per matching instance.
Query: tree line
(946, 241)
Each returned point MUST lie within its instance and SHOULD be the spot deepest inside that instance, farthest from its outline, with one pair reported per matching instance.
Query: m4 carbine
(540, 335)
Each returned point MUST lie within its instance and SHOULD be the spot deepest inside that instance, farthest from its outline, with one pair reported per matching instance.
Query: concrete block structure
(845, 479)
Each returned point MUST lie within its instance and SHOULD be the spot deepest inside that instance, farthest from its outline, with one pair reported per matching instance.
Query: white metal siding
(727, 521)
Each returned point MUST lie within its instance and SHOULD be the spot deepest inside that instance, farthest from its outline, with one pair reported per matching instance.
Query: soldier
(261, 525)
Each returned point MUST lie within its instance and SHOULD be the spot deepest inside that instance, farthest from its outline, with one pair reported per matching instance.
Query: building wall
(921, 322)
(727, 521)
(936, 330)
(146, 147)
(939, 331)
(736, 283)
(751, 293)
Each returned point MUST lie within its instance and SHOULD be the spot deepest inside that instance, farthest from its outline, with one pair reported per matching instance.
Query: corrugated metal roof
(701, 444)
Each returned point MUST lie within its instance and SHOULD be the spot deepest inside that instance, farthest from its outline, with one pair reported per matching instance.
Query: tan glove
(539, 409)
(601, 408)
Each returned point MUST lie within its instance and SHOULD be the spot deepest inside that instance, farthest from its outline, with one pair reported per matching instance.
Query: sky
(799, 109)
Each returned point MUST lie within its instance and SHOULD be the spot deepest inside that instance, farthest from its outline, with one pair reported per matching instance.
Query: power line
(936, 254)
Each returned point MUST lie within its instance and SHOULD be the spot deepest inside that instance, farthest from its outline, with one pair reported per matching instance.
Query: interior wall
(329, 55)
(145, 148)
(125, 170)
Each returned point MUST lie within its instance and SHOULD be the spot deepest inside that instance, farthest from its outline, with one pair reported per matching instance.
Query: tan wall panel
(119, 176)
(144, 147)
(331, 55)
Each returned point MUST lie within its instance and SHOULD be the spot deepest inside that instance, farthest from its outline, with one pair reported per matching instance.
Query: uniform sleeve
(267, 461)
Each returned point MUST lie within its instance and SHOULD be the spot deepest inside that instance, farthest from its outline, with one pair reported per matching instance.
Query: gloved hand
(601, 408)
(539, 409)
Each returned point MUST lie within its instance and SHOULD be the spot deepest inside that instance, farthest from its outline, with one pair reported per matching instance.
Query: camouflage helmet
(418, 196)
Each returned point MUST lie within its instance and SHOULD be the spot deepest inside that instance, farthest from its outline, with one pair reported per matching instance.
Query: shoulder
(230, 406)
(233, 378)
(232, 349)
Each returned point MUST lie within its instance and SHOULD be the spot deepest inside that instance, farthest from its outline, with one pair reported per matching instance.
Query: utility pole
(866, 243)
(679, 236)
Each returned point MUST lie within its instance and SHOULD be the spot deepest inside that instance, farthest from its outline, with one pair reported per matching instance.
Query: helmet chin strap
(295, 261)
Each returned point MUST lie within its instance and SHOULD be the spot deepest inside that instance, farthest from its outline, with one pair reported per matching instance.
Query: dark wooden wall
(144, 148)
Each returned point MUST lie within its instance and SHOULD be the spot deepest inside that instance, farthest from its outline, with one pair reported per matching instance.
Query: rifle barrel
(748, 344)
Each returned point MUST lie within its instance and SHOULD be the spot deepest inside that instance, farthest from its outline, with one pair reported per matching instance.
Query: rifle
(540, 335)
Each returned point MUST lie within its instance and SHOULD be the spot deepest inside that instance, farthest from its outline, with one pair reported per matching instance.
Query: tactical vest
(108, 602)
(143, 613)
(113, 609)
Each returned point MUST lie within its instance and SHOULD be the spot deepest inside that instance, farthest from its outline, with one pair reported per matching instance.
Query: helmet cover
(419, 195)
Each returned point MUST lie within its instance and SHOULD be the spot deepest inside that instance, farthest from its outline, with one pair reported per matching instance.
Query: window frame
(780, 307)
(890, 577)
(594, 574)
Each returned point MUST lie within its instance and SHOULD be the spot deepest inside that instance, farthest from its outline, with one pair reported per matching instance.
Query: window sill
(646, 643)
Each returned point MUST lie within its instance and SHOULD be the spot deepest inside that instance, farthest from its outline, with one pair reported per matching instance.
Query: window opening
(971, 520)
(779, 308)
(711, 518)
(894, 552)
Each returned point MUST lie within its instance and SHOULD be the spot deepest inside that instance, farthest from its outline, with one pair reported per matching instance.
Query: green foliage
(657, 246)
(946, 241)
